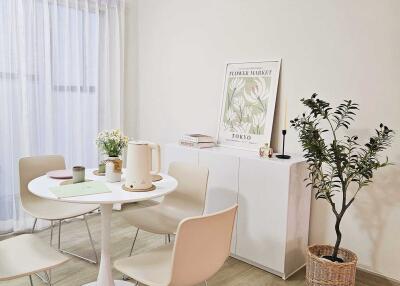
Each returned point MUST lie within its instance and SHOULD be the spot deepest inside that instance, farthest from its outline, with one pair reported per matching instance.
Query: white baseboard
(366, 269)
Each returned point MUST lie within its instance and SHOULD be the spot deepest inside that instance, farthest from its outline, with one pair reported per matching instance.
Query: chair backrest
(201, 247)
(36, 166)
(190, 195)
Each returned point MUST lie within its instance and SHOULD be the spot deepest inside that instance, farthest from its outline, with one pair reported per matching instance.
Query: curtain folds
(61, 81)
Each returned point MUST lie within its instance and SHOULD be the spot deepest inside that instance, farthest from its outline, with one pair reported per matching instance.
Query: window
(57, 83)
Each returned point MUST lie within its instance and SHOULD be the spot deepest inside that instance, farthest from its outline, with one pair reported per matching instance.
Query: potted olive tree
(338, 166)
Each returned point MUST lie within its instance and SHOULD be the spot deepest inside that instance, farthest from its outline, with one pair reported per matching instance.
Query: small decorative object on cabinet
(271, 230)
(197, 138)
(112, 143)
(197, 141)
(263, 152)
(270, 152)
(201, 145)
(284, 132)
(336, 165)
(283, 155)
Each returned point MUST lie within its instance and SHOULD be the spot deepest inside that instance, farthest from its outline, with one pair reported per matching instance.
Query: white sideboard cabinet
(271, 230)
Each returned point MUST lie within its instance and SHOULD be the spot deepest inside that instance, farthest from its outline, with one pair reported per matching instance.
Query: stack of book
(197, 141)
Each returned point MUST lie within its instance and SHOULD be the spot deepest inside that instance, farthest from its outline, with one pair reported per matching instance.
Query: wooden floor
(76, 272)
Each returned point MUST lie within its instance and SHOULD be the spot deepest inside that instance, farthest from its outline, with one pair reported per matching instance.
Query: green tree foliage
(336, 163)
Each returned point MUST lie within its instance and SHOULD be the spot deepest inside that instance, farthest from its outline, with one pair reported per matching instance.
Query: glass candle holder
(102, 168)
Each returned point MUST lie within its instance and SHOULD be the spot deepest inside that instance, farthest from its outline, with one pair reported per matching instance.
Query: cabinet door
(222, 188)
(176, 153)
(298, 218)
(262, 219)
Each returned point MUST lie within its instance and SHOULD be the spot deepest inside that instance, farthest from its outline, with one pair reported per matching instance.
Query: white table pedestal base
(116, 283)
(104, 277)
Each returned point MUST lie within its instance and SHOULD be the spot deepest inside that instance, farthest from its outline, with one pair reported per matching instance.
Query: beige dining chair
(201, 247)
(186, 201)
(33, 167)
(25, 255)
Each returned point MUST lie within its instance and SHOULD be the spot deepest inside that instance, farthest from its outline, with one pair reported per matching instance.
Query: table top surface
(41, 188)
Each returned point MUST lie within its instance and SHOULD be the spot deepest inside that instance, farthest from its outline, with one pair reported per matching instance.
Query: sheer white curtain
(61, 81)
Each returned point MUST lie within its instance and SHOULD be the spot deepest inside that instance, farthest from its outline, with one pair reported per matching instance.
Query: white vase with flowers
(112, 143)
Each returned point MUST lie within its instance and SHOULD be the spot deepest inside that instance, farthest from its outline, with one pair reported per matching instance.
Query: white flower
(245, 127)
(111, 142)
(239, 102)
(258, 123)
(237, 83)
(230, 115)
(258, 93)
(259, 119)
(247, 112)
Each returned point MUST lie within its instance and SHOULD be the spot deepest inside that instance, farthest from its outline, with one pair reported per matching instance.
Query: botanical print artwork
(248, 104)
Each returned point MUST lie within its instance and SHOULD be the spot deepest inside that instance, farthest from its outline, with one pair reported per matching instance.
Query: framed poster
(248, 104)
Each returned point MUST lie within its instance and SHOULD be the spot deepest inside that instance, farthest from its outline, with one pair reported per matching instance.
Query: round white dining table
(41, 188)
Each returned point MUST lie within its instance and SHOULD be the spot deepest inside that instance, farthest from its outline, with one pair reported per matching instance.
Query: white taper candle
(286, 121)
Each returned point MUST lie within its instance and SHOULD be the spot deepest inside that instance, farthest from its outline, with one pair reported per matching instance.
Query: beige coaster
(156, 178)
(96, 172)
(69, 182)
(125, 188)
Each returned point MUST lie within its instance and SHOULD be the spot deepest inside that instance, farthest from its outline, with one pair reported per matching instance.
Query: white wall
(341, 49)
(131, 68)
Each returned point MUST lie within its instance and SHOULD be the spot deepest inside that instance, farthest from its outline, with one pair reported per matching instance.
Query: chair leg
(51, 233)
(48, 277)
(59, 234)
(169, 238)
(74, 254)
(125, 277)
(41, 278)
(30, 280)
(205, 283)
(134, 241)
(91, 239)
(34, 225)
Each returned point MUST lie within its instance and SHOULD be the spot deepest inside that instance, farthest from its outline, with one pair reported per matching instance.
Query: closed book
(198, 145)
(197, 138)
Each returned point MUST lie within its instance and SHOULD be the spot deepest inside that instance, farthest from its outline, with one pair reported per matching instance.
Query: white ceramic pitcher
(139, 167)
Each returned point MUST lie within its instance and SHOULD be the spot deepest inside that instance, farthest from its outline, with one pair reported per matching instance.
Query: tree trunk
(338, 236)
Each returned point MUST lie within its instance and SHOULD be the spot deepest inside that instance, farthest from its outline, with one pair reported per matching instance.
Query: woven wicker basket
(322, 272)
